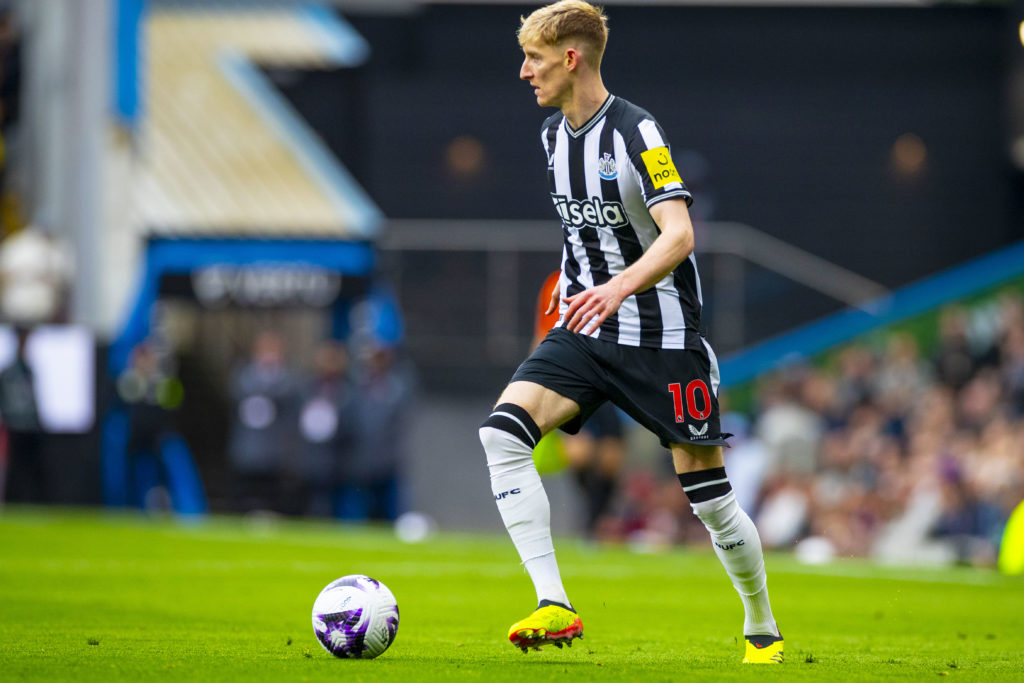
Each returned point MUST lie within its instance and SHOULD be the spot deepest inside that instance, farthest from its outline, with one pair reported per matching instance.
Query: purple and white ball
(355, 617)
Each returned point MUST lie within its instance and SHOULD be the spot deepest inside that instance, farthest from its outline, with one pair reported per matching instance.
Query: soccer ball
(355, 617)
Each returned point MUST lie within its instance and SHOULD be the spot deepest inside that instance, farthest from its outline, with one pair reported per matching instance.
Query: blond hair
(565, 20)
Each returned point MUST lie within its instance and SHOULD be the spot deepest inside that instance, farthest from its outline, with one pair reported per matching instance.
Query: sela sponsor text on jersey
(592, 212)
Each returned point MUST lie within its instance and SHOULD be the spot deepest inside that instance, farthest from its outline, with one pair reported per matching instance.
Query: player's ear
(571, 59)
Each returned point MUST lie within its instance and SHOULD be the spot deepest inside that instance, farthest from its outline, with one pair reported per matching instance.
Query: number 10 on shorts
(695, 387)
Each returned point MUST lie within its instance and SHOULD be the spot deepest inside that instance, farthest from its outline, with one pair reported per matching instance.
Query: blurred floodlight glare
(1020, 33)
(465, 155)
(909, 154)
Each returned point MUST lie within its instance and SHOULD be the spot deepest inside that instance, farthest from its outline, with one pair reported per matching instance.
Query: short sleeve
(652, 159)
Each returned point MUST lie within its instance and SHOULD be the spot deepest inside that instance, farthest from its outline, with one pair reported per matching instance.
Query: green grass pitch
(87, 596)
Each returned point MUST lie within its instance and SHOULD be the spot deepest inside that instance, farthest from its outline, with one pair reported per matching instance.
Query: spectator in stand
(265, 394)
(901, 380)
(161, 471)
(857, 368)
(954, 362)
(25, 476)
(327, 425)
(1011, 353)
(746, 461)
(596, 455)
(979, 400)
(791, 433)
(372, 478)
(965, 521)
(787, 426)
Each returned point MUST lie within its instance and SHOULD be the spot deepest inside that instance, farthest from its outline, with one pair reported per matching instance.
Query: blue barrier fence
(920, 297)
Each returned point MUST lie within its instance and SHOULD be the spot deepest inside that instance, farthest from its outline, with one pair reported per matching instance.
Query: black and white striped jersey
(604, 177)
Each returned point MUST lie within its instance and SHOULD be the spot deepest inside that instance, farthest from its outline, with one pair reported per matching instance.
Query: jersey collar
(593, 119)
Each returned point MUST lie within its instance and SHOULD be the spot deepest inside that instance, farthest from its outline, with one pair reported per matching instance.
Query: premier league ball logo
(355, 617)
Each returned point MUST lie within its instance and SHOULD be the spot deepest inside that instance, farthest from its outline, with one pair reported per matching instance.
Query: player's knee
(689, 457)
(510, 419)
(495, 441)
(509, 435)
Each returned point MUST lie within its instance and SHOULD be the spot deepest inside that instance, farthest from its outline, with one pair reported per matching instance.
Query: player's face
(543, 66)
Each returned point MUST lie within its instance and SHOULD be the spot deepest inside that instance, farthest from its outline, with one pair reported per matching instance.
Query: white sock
(547, 581)
(508, 437)
(737, 545)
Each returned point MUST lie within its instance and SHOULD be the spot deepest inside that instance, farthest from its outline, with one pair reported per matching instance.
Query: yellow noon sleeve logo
(660, 167)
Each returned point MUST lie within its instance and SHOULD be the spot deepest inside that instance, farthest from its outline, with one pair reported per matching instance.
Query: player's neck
(586, 99)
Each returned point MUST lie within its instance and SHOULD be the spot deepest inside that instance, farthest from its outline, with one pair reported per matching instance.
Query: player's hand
(553, 302)
(591, 307)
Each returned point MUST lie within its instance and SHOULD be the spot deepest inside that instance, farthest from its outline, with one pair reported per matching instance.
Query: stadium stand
(903, 456)
(224, 154)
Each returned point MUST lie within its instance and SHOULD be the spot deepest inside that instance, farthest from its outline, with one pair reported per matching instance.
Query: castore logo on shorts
(701, 433)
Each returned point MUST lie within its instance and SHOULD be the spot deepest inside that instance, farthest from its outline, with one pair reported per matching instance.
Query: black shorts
(671, 392)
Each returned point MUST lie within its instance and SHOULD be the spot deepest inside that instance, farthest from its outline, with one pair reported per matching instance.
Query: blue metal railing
(809, 340)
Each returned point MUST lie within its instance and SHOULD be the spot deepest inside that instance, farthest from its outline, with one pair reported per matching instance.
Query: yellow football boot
(550, 623)
(763, 650)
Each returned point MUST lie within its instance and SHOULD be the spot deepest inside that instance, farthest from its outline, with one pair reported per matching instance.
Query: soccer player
(628, 330)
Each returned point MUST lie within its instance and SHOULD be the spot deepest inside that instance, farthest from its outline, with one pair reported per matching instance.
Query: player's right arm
(672, 246)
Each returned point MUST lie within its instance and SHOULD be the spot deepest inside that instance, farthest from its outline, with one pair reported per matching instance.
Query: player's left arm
(591, 307)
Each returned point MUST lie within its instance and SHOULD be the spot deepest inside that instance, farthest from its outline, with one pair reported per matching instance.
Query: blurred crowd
(881, 451)
(327, 441)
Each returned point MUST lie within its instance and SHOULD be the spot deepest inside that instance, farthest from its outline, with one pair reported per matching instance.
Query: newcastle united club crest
(606, 167)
